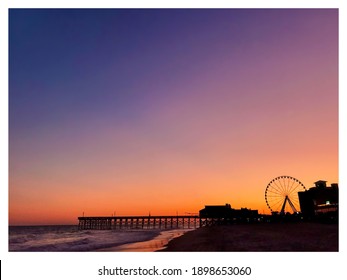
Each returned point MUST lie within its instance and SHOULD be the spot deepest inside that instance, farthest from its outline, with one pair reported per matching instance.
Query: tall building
(319, 200)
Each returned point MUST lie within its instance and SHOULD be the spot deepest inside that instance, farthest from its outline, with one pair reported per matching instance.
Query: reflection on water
(156, 244)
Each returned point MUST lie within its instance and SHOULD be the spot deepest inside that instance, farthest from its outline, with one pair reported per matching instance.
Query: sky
(131, 112)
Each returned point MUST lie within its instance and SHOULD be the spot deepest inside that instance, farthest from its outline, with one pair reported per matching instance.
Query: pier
(140, 222)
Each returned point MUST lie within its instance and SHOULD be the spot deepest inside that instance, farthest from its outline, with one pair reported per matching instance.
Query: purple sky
(110, 108)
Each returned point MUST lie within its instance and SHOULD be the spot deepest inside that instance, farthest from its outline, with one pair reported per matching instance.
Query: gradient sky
(164, 111)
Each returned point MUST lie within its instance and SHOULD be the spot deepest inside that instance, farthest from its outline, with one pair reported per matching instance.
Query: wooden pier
(140, 222)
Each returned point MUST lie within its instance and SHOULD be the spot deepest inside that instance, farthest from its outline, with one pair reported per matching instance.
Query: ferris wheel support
(287, 199)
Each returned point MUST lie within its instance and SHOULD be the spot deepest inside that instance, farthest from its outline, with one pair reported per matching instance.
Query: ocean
(70, 239)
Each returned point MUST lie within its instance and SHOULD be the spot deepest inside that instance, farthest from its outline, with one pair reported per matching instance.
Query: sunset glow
(131, 112)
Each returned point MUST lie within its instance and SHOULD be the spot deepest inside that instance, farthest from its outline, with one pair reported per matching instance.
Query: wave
(70, 239)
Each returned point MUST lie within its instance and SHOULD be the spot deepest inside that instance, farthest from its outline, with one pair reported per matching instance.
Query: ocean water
(70, 239)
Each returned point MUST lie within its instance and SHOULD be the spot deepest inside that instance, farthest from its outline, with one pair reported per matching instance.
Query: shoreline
(263, 237)
(154, 244)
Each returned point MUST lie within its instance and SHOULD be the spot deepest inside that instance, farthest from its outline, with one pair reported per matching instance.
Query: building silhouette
(226, 214)
(319, 201)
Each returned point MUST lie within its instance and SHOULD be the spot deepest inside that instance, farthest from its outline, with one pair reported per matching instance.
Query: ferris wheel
(281, 194)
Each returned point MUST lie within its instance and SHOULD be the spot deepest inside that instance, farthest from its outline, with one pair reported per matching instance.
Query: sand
(155, 244)
(264, 237)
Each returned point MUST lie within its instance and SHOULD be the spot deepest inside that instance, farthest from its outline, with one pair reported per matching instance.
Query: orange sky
(205, 111)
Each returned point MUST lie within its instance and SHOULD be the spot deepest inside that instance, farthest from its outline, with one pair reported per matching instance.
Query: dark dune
(270, 237)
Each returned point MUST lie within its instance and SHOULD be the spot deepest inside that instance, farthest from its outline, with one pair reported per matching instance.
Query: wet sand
(264, 237)
(156, 244)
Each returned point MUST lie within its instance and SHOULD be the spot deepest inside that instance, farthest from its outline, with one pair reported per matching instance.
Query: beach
(263, 237)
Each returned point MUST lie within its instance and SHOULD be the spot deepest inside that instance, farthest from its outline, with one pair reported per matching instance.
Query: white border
(85, 265)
